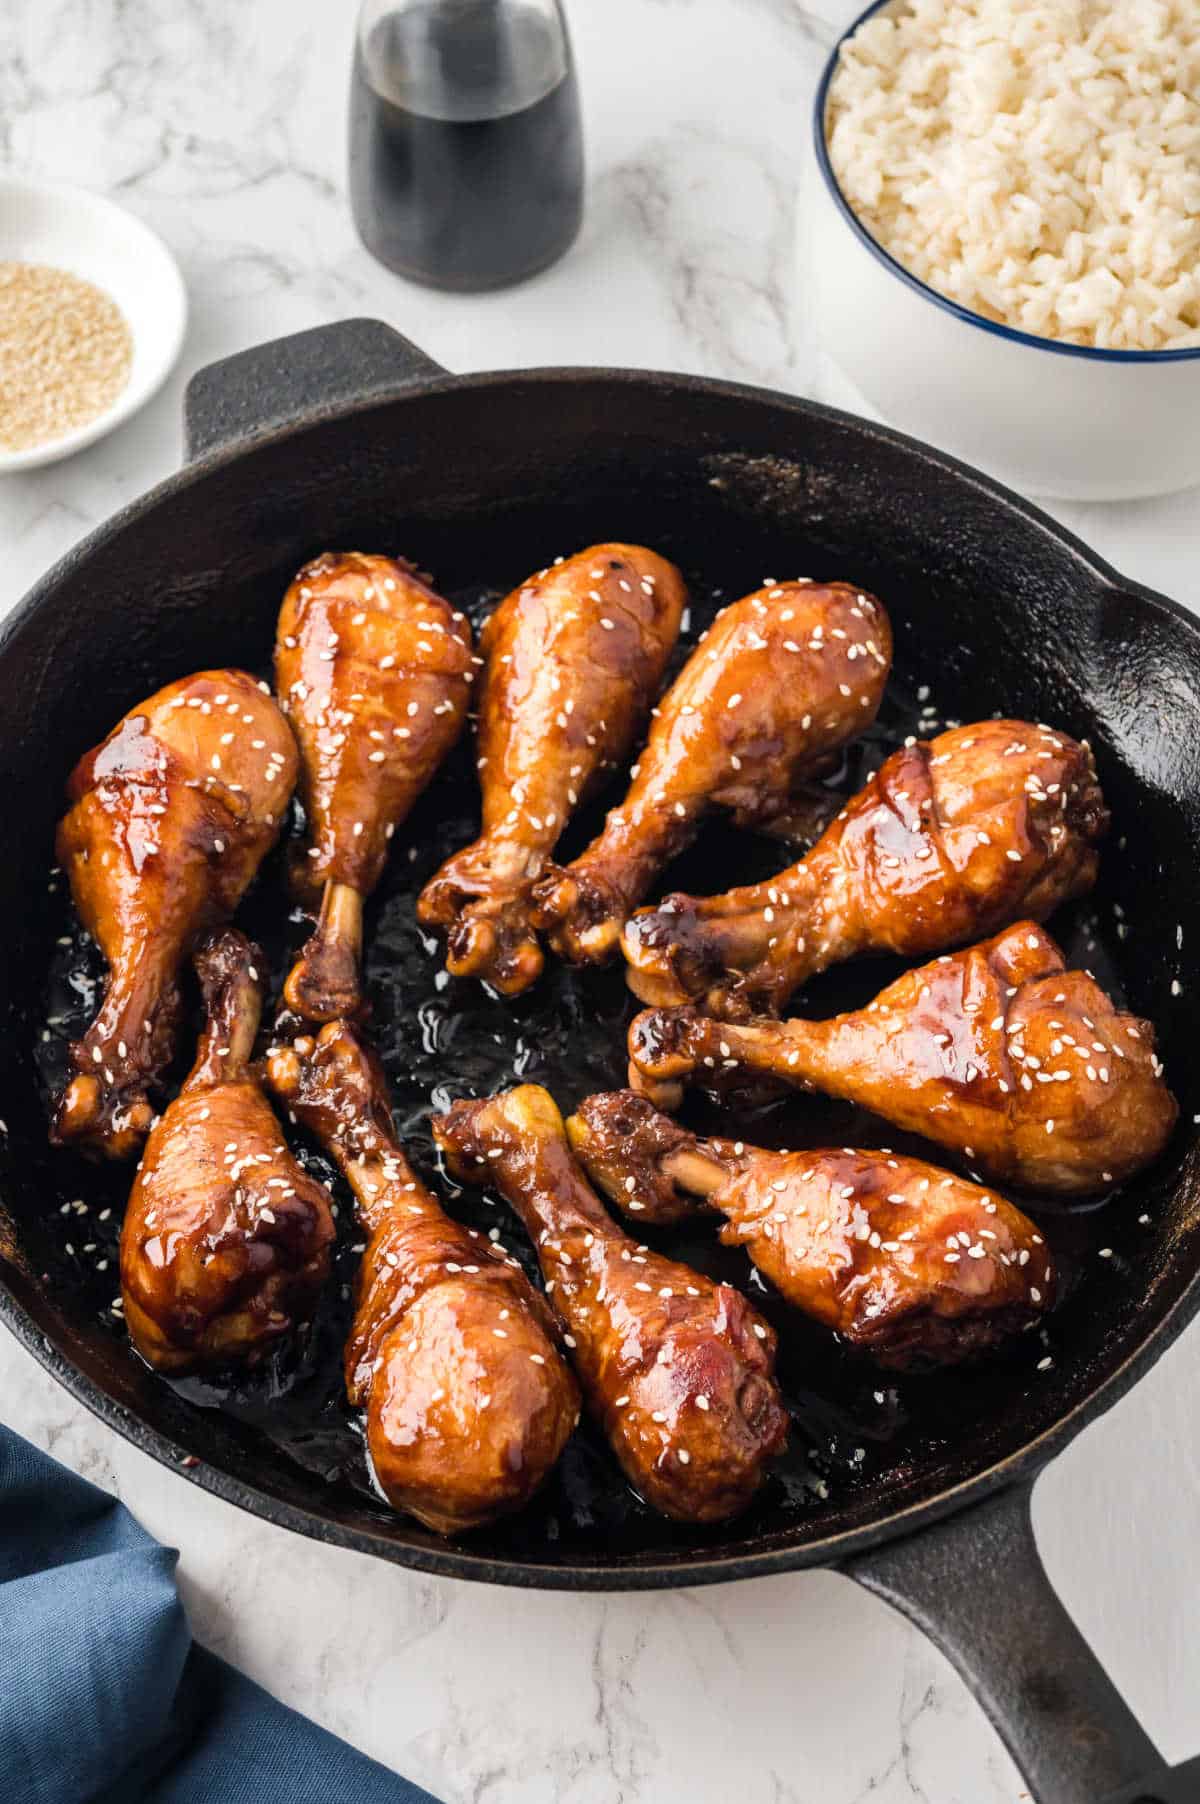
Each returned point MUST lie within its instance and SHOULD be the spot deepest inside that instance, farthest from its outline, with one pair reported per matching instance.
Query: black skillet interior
(481, 482)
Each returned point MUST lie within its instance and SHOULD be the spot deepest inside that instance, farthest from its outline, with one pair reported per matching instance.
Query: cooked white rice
(1036, 160)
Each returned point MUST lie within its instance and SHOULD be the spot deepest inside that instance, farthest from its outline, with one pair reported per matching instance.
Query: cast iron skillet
(350, 436)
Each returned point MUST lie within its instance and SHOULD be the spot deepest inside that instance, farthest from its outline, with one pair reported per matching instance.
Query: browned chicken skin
(226, 1240)
(453, 1355)
(573, 659)
(374, 672)
(677, 1370)
(952, 838)
(171, 817)
(782, 678)
(911, 1264)
(999, 1052)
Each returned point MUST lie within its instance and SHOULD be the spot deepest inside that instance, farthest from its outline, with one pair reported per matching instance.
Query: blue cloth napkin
(104, 1697)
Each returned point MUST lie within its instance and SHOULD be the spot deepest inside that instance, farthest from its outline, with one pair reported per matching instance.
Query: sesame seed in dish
(1036, 161)
(65, 354)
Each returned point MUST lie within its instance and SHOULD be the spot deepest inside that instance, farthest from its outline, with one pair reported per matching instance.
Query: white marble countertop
(222, 124)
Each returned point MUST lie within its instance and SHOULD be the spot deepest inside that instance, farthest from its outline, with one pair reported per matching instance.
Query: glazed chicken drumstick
(781, 679)
(453, 1355)
(226, 1240)
(573, 659)
(952, 838)
(999, 1052)
(677, 1370)
(913, 1265)
(374, 672)
(171, 817)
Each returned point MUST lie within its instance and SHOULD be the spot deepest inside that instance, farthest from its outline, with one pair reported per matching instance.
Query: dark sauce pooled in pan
(441, 1038)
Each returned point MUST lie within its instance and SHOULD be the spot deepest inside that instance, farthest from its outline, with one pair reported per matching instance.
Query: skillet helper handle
(297, 378)
(975, 1584)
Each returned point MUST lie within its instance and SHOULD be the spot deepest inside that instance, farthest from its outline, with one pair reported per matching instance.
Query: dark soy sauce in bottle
(466, 154)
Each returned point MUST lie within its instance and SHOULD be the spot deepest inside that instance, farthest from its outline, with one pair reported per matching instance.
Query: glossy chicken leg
(952, 838)
(453, 1355)
(374, 672)
(170, 819)
(226, 1240)
(781, 679)
(911, 1264)
(676, 1369)
(999, 1052)
(573, 660)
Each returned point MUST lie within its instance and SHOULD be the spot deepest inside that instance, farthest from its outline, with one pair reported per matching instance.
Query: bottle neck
(463, 59)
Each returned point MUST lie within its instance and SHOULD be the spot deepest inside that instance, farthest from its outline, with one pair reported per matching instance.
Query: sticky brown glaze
(226, 1240)
(678, 1371)
(572, 662)
(911, 1264)
(374, 672)
(170, 819)
(1024, 1068)
(951, 839)
(780, 680)
(453, 1356)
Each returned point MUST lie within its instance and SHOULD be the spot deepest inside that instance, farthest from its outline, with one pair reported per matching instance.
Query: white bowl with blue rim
(1048, 418)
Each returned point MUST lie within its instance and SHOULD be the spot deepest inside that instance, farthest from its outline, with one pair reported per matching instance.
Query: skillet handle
(297, 378)
(975, 1584)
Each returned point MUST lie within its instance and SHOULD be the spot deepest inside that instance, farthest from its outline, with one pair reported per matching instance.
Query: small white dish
(1044, 417)
(92, 237)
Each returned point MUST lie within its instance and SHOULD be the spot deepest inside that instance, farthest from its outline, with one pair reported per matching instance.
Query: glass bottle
(466, 152)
